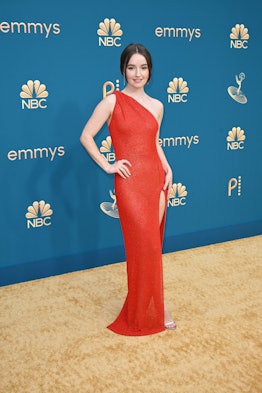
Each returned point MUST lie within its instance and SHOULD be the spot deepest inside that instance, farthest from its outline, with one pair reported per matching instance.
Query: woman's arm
(99, 117)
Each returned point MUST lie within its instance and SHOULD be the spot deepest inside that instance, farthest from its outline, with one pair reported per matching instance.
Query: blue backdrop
(58, 60)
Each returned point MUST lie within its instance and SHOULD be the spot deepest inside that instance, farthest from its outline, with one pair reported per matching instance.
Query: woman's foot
(169, 323)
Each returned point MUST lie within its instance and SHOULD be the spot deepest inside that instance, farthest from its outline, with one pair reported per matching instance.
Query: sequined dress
(133, 130)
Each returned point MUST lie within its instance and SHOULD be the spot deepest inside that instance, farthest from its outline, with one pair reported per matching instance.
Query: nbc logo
(110, 208)
(177, 90)
(234, 184)
(178, 195)
(235, 139)
(34, 95)
(107, 149)
(235, 92)
(109, 33)
(38, 214)
(109, 87)
(239, 37)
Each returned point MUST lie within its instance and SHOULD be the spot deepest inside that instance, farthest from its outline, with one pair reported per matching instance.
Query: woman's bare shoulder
(110, 101)
(157, 103)
(158, 107)
(106, 105)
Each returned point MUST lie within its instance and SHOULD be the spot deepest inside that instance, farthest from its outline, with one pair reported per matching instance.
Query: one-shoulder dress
(133, 130)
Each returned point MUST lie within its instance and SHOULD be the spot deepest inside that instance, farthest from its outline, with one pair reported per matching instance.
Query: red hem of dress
(136, 333)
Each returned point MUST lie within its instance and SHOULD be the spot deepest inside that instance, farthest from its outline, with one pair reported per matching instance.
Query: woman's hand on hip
(120, 167)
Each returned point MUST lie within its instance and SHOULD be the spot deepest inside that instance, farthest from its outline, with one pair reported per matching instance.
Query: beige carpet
(54, 337)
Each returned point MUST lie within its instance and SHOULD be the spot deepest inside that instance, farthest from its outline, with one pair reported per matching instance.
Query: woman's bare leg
(162, 207)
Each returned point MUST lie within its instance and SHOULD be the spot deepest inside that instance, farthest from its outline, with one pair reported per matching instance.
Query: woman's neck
(134, 92)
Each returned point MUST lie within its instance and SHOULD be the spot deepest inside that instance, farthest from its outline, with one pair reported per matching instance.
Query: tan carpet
(54, 337)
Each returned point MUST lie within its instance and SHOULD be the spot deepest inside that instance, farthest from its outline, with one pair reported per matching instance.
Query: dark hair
(129, 51)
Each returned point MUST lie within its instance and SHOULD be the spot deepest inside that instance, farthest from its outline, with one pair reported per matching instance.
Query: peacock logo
(109, 33)
(235, 139)
(178, 194)
(39, 214)
(239, 37)
(106, 149)
(34, 95)
(177, 90)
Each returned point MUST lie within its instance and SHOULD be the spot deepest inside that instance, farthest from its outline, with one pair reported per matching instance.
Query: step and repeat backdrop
(58, 60)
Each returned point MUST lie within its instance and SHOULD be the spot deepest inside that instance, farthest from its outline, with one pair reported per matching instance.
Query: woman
(143, 179)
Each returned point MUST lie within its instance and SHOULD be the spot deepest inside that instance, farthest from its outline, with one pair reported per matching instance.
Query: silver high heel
(170, 325)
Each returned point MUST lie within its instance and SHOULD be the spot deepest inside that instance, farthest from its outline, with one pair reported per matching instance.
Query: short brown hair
(129, 51)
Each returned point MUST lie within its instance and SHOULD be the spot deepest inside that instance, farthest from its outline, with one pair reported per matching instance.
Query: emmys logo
(110, 208)
(177, 32)
(239, 37)
(34, 95)
(36, 153)
(235, 92)
(234, 184)
(177, 90)
(109, 87)
(187, 141)
(107, 149)
(178, 195)
(29, 28)
(109, 33)
(235, 139)
(38, 215)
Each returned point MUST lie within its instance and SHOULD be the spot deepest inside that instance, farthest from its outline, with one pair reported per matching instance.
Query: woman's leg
(162, 208)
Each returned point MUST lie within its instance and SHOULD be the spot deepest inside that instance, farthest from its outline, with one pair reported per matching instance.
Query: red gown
(133, 130)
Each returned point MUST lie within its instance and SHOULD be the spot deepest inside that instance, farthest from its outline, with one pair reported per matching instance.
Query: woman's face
(137, 72)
